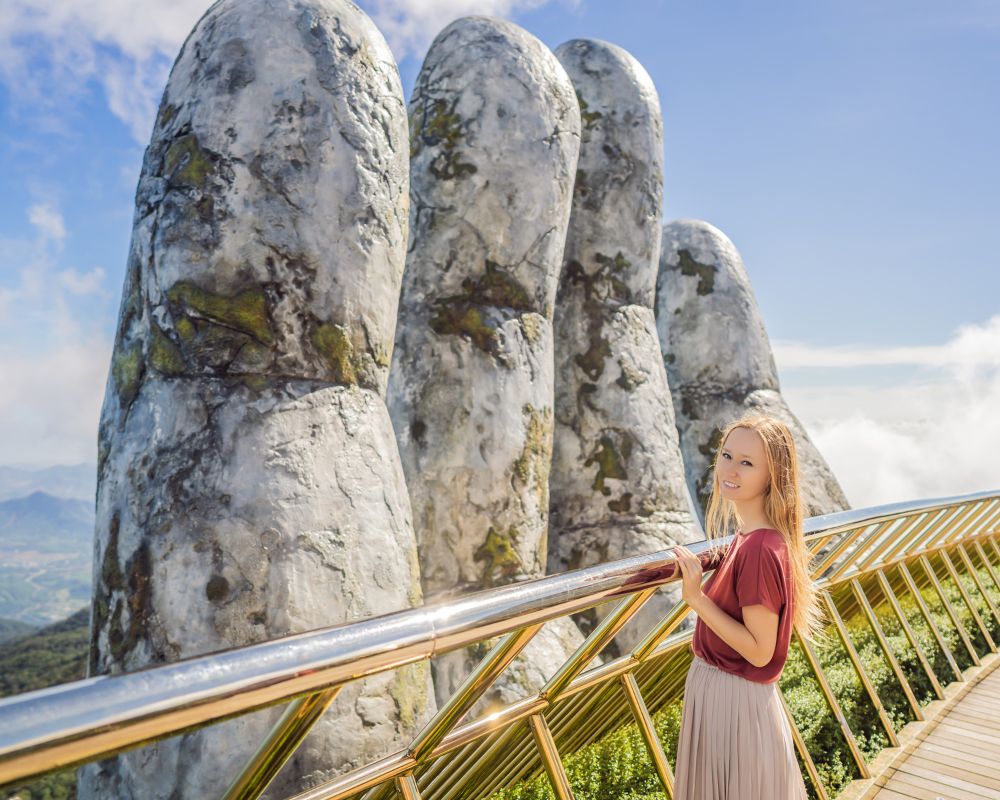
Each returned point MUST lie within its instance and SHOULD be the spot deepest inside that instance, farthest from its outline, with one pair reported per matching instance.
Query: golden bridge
(901, 701)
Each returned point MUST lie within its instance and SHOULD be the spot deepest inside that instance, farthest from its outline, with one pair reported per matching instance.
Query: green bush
(55, 654)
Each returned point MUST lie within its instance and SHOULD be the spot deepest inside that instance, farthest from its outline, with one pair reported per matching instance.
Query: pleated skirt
(735, 742)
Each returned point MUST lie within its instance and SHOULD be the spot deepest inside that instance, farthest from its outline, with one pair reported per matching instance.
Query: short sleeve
(760, 575)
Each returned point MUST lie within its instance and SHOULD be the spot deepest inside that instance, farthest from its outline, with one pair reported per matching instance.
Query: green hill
(12, 628)
(55, 654)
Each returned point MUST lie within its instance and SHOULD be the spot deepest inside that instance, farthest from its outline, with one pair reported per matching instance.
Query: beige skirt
(735, 742)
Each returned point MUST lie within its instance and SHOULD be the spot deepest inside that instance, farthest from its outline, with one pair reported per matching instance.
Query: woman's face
(742, 467)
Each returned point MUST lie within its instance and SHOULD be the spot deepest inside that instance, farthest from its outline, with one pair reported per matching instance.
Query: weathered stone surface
(617, 486)
(494, 140)
(718, 358)
(249, 481)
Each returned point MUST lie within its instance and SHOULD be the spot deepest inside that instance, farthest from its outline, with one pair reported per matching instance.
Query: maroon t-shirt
(754, 570)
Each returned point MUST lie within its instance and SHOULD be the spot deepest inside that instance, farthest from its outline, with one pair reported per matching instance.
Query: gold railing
(888, 551)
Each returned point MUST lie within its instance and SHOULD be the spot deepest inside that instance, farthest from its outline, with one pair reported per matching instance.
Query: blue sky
(847, 148)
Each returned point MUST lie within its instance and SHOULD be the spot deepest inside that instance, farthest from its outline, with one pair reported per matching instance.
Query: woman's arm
(755, 640)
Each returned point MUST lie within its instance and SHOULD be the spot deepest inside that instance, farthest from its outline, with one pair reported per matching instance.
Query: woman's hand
(690, 566)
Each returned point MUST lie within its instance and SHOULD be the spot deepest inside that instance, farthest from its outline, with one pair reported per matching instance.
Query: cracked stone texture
(617, 486)
(494, 139)
(249, 482)
(718, 359)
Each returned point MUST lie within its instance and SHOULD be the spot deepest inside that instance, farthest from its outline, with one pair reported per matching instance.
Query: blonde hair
(782, 506)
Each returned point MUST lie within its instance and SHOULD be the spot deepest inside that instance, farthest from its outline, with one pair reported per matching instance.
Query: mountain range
(46, 543)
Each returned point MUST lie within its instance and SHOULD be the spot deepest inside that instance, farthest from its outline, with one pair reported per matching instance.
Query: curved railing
(889, 549)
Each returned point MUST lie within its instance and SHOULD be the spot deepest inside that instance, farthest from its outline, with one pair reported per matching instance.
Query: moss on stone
(334, 346)
(186, 163)
(458, 317)
(711, 447)
(705, 481)
(409, 691)
(499, 554)
(111, 574)
(610, 461)
(440, 126)
(603, 291)
(132, 307)
(382, 355)
(255, 383)
(587, 117)
(103, 451)
(126, 370)
(245, 311)
(134, 582)
(167, 113)
(630, 377)
(217, 588)
(535, 460)
(592, 361)
(116, 634)
(688, 407)
(704, 272)
(585, 394)
(205, 208)
(164, 356)
(463, 313)
(185, 329)
(531, 325)
(497, 287)
(140, 596)
(615, 263)
(621, 505)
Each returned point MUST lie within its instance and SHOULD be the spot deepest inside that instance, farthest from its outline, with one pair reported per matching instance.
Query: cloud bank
(52, 50)
(54, 348)
(934, 433)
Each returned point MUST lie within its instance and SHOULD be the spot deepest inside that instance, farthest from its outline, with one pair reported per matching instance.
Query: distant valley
(46, 540)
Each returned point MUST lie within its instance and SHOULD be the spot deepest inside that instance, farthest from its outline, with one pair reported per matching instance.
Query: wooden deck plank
(929, 788)
(953, 755)
(971, 762)
(982, 775)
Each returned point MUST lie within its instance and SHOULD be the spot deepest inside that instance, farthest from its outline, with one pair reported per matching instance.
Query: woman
(735, 742)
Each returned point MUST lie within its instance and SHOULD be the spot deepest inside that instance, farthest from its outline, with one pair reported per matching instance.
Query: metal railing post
(834, 704)
(890, 595)
(949, 609)
(859, 668)
(883, 641)
(648, 731)
(931, 624)
(953, 573)
(550, 757)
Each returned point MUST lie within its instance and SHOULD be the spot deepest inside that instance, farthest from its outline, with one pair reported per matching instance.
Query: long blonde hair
(782, 506)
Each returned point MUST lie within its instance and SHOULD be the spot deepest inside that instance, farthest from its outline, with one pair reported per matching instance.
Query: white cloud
(410, 25)
(128, 46)
(54, 350)
(934, 435)
(125, 46)
(50, 402)
(972, 346)
(48, 221)
(82, 282)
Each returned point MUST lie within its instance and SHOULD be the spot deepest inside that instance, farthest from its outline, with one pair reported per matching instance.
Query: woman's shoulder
(767, 539)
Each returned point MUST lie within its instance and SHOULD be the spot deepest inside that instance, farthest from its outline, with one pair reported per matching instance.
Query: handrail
(84, 720)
